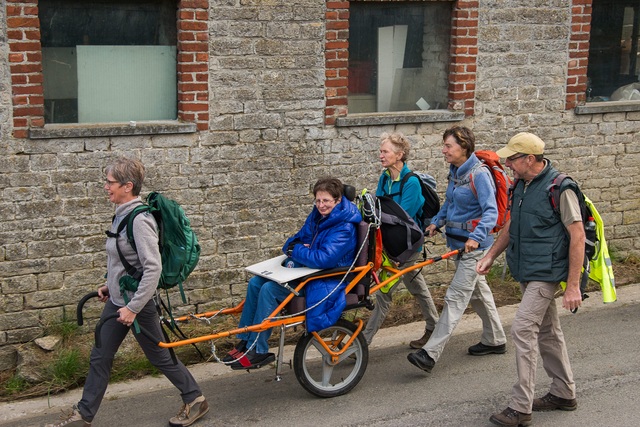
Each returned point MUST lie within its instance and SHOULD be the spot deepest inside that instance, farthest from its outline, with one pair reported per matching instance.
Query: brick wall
(245, 181)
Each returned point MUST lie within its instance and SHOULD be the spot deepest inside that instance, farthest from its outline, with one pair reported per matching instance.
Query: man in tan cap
(546, 248)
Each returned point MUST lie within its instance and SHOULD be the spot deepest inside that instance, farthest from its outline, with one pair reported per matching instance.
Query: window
(392, 62)
(108, 61)
(614, 62)
(189, 30)
(398, 56)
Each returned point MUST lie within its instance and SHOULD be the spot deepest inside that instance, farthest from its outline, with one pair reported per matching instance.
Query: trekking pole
(81, 303)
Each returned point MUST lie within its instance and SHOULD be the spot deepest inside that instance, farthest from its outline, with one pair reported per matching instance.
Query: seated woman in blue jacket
(326, 240)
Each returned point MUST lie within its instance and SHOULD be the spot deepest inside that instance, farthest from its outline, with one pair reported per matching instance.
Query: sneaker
(481, 349)
(419, 343)
(72, 419)
(511, 418)
(422, 360)
(190, 413)
(253, 360)
(550, 402)
(236, 351)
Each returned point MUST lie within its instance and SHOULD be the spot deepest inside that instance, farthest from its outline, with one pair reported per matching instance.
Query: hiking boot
(511, 418)
(550, 402)
(190, 413)
(422, 360)
(481, 349)
(72, 419)
(419, 343)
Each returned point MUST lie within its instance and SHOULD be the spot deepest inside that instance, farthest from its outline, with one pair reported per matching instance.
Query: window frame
(462, 69)
(25, 67)
(576, 84)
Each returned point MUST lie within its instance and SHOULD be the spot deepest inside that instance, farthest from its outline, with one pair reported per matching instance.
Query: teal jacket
(538, 241)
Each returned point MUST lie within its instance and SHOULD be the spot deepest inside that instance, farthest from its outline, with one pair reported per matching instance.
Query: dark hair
(126, 170)
(332, 186)
(463, 136)
(399, 143)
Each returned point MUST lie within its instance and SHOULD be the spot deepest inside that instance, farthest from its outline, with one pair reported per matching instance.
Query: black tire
(315, 371)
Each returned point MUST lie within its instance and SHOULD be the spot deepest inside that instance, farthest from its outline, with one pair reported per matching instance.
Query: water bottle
(590, 238)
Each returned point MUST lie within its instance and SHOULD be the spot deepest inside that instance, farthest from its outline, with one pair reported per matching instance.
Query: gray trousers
(466, 287)
(112, 335)
(415, 284)
(536, 326)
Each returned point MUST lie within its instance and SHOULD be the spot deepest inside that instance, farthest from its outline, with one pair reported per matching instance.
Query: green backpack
(179, 248)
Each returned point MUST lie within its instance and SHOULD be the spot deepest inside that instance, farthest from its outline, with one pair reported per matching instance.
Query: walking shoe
(511, 418)
(422, 360)
(72, 419)
(253, 360)
(422, 341)
(236, 351)
(481, 349)
(190, 413)
(550, 402)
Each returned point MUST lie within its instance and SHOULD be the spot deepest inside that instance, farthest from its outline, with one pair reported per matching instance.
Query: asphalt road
(462, 390)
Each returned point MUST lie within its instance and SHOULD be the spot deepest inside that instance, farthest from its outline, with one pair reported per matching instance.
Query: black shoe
(422, 360)
(236, 351)
(481, 349)
(550, 402)
(253, 360)
(511, 418)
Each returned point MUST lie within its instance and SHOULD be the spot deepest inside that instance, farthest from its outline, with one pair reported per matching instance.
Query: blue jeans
(263, 296)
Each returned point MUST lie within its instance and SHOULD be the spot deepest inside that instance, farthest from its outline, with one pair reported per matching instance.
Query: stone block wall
(245, 182)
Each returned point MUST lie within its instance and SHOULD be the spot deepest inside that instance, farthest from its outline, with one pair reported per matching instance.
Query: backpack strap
(467, 179)
(127, 222)
(405, 179)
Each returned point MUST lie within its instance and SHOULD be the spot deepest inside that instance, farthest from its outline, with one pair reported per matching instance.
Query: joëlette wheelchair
(326, 363)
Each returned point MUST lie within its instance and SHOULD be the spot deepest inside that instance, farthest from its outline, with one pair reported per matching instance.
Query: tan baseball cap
(525, 143)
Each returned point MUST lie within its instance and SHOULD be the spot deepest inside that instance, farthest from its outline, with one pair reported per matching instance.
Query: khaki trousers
(537, 327)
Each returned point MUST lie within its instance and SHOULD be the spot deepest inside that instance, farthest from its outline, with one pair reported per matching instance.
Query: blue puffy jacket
(332, 243)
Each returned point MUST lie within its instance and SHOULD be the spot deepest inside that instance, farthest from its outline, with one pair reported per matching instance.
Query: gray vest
(538, 241)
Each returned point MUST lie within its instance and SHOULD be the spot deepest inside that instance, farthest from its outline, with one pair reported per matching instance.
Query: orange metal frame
(273, 320)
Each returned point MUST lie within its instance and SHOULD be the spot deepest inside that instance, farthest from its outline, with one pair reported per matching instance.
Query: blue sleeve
(334, 246)
(485, 191)
(304, 235)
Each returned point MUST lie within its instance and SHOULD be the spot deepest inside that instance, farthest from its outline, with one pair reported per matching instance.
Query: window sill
(88, 130)
(607, 107)
(400, 117)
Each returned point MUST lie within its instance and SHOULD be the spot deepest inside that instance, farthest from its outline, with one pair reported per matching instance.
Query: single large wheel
(318, 374)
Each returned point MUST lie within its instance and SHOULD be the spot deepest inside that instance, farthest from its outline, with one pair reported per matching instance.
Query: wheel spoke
(327, 370)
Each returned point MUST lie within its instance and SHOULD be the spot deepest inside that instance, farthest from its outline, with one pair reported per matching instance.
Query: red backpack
(502, 181)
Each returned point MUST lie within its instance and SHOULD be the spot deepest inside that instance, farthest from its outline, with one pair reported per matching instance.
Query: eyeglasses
(319, 202)
(109, 183)
(516, 157)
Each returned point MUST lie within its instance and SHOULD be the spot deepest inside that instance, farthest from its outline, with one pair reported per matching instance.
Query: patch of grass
(15, 385)
(68, 367)
(65, 329)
